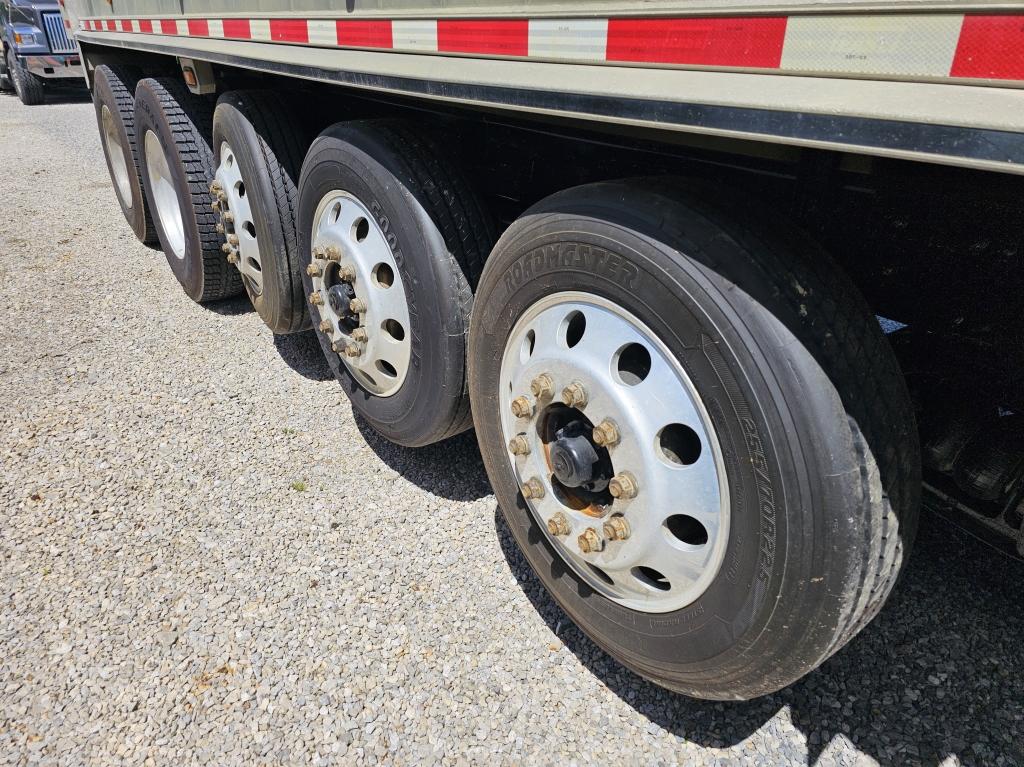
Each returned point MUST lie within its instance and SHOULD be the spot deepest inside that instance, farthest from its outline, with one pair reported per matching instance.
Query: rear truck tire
(5, 73)
(393, 238)
(697, 432)
(259, 147)
(174, 132)
(113, 95)
(28, 87)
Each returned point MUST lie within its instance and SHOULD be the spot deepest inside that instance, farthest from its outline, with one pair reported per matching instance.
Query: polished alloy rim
(359, 291)
(115, 151)
(239, 221)
(614, 452)
(165, 197)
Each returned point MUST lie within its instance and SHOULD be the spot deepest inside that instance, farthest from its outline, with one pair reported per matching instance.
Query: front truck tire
(394, 240)
(28, 87)
(173, 127)
(722, 464)
(113, 95)
(259, 146)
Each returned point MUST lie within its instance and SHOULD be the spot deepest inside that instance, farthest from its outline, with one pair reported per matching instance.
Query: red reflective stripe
(365, 34)
(503, 37)
(111, 25)
(737, 42)
(990, 47)
(199, 27)
(168, 27)
(289, 31)
(126, 25)
(145, 25)
(237, 28)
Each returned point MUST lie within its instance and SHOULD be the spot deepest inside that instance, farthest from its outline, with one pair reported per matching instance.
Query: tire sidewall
(437, 364)
(773, 540)
(104, 96)
(149, 116)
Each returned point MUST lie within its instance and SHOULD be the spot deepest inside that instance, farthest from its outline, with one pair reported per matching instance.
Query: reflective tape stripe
(198, 28)
(574, 39)
(238, 29)
(990, 47)
(414, 35)
(364, 34)
(499, 37)
(168, 27)
(737, 42)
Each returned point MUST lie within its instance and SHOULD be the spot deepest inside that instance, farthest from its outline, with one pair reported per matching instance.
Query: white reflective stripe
(414, 35)
(322, 32)
(216, 28)
(579, 39)
(880, 45)
(259, 29)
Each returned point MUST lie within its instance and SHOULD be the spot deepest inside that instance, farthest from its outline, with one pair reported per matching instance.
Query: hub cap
(118, 165)
(363, 269)
(647, 515)
(229, 175)
(165, 197)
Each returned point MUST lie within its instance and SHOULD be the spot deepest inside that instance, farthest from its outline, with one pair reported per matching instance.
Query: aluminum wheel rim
(346, 236)
(241, 223)
(115, 151)
(165, 196)
(673, 487)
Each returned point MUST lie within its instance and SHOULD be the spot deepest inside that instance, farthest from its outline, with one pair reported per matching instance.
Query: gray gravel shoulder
(207, 559)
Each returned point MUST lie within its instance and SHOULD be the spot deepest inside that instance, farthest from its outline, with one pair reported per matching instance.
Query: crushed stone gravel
(205, 558)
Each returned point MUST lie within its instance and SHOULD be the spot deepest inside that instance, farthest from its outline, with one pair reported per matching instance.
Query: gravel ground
(205, 558)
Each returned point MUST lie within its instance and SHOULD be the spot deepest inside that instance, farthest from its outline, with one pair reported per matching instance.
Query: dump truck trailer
(724, 287)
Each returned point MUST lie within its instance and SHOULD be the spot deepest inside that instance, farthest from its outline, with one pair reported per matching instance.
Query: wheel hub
(638, 505)
(231, 200)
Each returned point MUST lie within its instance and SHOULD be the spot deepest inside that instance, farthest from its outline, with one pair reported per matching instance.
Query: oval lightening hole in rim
(526, 351)
(254, 264)
(686, 529)
(383, 275)
(679, 444)
(240, 188)
(229, 160)
(360, 229)
(633, 364)
(601, 574)
(250, 229)
(386, 368)
(394, 329)
(575, 325)
(335, 213)
(651, 577)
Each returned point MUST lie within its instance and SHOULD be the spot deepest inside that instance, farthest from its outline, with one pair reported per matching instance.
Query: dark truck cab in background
(37, 48)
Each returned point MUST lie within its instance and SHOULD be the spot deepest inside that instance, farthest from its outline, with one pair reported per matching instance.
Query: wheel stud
(522, 407)
(229, 216)
(332, 253)
(542, 386)
(339, 347)
(232, 257)
(360, 335)
(519, 446)
(559, 525)
(616, 529)
(357, 306)
(219, 228)
(233, 239)
(215, 205)
(574, 395)
(606, 433)
(623, 485)
(215, 188)
(326, 326)
(313, 270)
(318, 252)
(347, 273)
(533, 488)
(353, 350)
(316, 299)
(226, 248)
(591, 541)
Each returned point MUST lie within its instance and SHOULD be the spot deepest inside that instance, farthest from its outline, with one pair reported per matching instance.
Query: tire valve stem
(522, 407)
(590, 542)
(623, 485)
(533, 488)
(316, 299)
(559, 525)
(518, 445)
(616, 529)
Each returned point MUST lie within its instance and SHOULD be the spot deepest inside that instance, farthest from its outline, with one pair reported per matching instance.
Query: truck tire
(259, 148)
(176, 154)
(113, 95)
(28, 87)
(718, 479)
(392, 224)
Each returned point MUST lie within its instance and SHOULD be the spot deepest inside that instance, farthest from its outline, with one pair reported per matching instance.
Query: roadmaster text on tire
(397, 240)
(28, 87)
(698, 434)
(113, 95)
(173, 129)
(259, 147)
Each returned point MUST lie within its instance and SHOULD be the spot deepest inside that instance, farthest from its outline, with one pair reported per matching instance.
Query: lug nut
(347, 273)
(233, 239)
(332, 253)
(574, 395)
(533, 489)
(519, 446)
(616, 529)
(623, 485)
(215, 187)
(559, 525)
(339, 347)
(542, 386)
(316, 299)
(229, 216)
(357, 306)
(313, 270)
(220, 228)
(591, 541)
(522, 407)
(221, 196)
(353, 350)
(215, 205)
(318, 252)
(360, 335)
(232, 257)
(226, 248)
(326, 326)
(606, 433)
